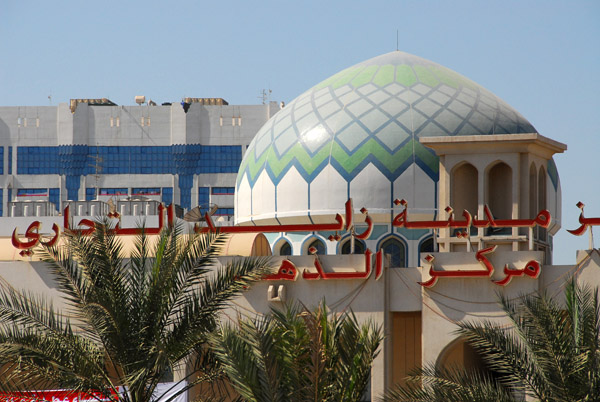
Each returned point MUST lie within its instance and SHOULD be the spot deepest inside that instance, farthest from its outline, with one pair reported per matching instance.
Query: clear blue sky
(542, 57)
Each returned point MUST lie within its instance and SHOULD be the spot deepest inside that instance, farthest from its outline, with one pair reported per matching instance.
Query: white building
(184, 153)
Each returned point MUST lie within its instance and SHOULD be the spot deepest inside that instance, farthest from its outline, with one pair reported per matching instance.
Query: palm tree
(550, 353)
(131, 318)
(299, 355)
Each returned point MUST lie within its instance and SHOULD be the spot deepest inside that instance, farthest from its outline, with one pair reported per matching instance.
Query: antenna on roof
(265, 96)
(396, 40)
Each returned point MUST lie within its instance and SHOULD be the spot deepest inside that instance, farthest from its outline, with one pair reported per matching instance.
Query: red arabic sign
(53, 396)
(288, 271)
(531, 269)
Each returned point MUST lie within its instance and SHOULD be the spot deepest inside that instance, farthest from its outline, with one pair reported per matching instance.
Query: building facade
(455, 197)
(185, 153)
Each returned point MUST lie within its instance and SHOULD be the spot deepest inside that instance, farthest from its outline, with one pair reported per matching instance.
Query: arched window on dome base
(425, 247)
(396, 250)
(317, 243)
(282, 247)
(359, 246)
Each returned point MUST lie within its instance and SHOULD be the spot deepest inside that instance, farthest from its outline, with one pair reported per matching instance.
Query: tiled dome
(371, 114)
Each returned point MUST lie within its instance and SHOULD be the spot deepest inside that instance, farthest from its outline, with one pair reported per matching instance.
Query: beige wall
(396, 301)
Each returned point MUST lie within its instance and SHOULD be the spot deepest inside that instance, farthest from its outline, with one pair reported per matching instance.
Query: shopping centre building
(396, 188)
(187, 153)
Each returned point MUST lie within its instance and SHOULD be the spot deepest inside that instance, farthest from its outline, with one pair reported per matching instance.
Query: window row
(51, 194)
(392, 247)
(204, 193)
(28, 122)
(166, 192)
(113, 191)
(222, 190)
(235, 121)
(498, 186)
(32, 192)
(84, 160)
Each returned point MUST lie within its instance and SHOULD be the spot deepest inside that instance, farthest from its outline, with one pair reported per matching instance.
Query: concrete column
(516, 195)
(63, 192)
(195, 186)
(176, 191)
(5, 201)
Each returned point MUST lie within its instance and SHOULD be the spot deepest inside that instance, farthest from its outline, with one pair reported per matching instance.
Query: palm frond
(132, 317)
(547, 354)
(431, 384)
(297, 354)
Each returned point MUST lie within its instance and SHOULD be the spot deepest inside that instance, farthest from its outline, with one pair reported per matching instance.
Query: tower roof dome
(364, 120)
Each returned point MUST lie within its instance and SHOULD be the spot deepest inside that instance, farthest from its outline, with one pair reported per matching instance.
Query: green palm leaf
(549, 353)
(130, 318)
(298, 355)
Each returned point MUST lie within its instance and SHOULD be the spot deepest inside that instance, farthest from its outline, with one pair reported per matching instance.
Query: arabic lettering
(34, 238)
(531, 269)
(543, 219)
(585, 222)
(287, 272)
(322, 274)
(460, 273)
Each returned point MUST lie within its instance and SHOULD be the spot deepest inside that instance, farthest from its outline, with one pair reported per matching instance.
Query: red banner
(59, 395)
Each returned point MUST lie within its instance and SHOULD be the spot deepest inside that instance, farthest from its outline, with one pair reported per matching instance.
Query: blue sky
(541, 57)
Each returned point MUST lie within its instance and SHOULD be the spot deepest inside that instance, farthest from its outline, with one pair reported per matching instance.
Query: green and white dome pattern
(365, 120)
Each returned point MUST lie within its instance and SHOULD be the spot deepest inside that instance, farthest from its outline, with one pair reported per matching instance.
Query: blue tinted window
(35, 160)
(223, 190)
(426, 247)
(203, 196)
(113, 191)
(397, 252)
(319, 245)
(286, 249)
(167, 195)
(359, 247)
(185, 190)
(90, 194)
(32, 192)
(72, 183)
(145, 191)
(54, 197)
(74, 160)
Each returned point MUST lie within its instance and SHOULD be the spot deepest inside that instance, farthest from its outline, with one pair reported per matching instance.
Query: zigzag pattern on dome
(392, 165)
(375, 112)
